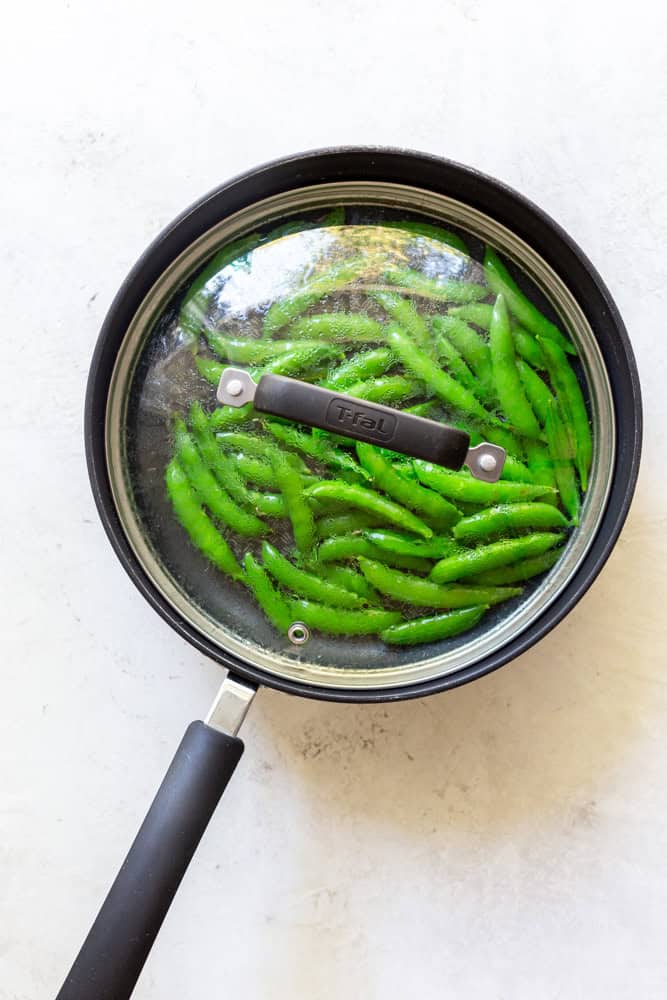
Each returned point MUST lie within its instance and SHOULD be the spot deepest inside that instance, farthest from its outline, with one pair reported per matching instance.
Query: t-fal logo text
(370, 422)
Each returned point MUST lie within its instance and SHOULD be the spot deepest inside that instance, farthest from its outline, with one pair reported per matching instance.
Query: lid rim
(482, 192)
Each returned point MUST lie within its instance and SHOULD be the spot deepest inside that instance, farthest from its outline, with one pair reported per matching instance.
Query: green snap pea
(560, 447)
(267, 504)
(433, 628)
(439, 382)
(541, 468)
(404, 545)
(352, 546)
(501, 282)
(339, 327)
(209, 369)
(470, 345)
(528, 348)
(369, 500)
(305, 584)
(453, 360)
(269, 599)
(317, 447)
(508, 517)
(427, 594)
(447, 290)
(358, 368)
(404, 313)
(520, 571)
(432, 232)
(210, 491)
(200, 529)
(389, 390)
(336, 277)
(341, 621)
(425, 409)
(424, 501)
(538, 393)
(486, 557)
(255, 352)
(257, 446)
(573, 406)
(299, 360)
(298, 510)
(256, 471)
(480, 314)
(230, 416)
(344, 524)
(351, 579)
(461, 486)
(509, 389)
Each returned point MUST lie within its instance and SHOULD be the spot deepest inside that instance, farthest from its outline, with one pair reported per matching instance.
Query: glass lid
(322, 554)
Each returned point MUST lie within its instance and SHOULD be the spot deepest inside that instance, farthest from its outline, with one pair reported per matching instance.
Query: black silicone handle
(113, 954)
(355, 418)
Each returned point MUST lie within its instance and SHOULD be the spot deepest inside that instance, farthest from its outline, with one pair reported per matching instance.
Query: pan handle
(356, 418)
(114, 953)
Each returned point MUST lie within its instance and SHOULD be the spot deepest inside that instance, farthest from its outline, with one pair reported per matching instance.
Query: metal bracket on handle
(236, 387)
(486, 461)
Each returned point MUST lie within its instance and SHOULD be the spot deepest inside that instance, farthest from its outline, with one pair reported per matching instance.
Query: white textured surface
(505, 841)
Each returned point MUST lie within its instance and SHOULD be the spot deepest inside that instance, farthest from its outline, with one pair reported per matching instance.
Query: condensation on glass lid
(381, 561)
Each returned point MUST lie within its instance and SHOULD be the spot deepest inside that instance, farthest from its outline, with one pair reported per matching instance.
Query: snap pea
(447, 290)
(520, 571)
(439, 382)
(368, 364)
(486, 557)
(202, 532)
(509, 389)
(405, 545)
(501, 282)
(541, 468)
(470, 345)
(453, 360)
(369, 500)
(427, 503)
(525, 343)
(268, 504)
(209, 369)
(305, 584)
(508, 517)
(344, 524)
(209, 490)
(336, 277)
(478, 313)
(255, 352)
(461, 486)
(339, 327)
(341, 621)
(425, 409)
(257, 446)
(537, 391)
(351, 579)
(317, 447)
(573, 406)
(230, 416)
(561, 451)
(404, 313)
(298, 510)
(433, 628)
(269, 599)
(427, 594)
(432, 232)
(256, 471)
(389, 390)
(351, 546)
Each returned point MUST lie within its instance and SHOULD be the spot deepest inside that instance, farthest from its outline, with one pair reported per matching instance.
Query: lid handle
(356, 418)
